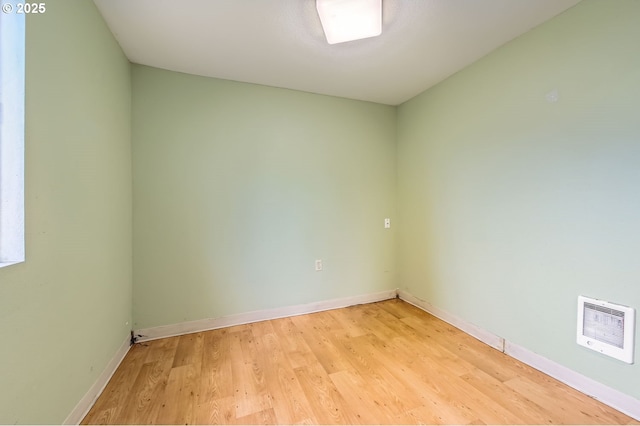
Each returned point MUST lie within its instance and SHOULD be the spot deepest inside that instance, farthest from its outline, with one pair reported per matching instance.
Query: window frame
(12, 136)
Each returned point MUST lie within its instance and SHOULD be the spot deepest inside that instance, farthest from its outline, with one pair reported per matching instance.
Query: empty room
(218, 211)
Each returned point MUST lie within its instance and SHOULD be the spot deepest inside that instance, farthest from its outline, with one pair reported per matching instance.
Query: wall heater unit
(606, 328)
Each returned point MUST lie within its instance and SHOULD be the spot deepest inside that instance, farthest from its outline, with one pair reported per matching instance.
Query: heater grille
(606, 327)
(603, 324)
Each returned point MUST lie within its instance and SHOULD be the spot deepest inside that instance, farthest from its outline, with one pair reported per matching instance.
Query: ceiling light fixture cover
(347, 20)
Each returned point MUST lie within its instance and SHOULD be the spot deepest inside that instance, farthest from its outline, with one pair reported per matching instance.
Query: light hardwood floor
(380, 363)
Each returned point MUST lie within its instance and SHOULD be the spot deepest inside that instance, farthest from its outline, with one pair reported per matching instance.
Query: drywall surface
(519, 183)
(64, 312)
(239, 189)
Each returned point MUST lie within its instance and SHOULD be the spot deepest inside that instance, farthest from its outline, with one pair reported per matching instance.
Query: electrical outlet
(387, 223)
(318, 264)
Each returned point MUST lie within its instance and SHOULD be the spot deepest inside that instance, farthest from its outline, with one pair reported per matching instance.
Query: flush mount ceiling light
(347, 20)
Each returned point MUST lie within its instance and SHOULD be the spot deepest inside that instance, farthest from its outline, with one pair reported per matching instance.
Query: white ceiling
(281, 43)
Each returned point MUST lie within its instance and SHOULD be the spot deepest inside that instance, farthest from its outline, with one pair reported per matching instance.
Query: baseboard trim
(160, 332)
(481, 334)
(87, 401)
(603, 393)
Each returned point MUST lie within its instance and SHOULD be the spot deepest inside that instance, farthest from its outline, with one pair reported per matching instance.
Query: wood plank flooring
(380, 363)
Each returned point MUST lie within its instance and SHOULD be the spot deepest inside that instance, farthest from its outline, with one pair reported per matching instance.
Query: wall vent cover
(606, 327)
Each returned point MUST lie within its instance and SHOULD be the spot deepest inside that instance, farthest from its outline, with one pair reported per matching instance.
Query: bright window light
(11, 138)
(347, 20)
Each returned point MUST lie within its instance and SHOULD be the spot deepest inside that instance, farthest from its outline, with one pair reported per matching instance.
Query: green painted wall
(504, 200)
(511, 206)
(64, 312)
(238, 188)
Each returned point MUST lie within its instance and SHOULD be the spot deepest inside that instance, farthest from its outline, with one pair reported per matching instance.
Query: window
(12, 47)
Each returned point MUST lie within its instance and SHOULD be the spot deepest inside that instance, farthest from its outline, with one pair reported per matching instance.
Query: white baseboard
(87, 401)
(609, 396)
(85, 404)
(160, 332)
(481, 334)
(612, 397)
(603, 393)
